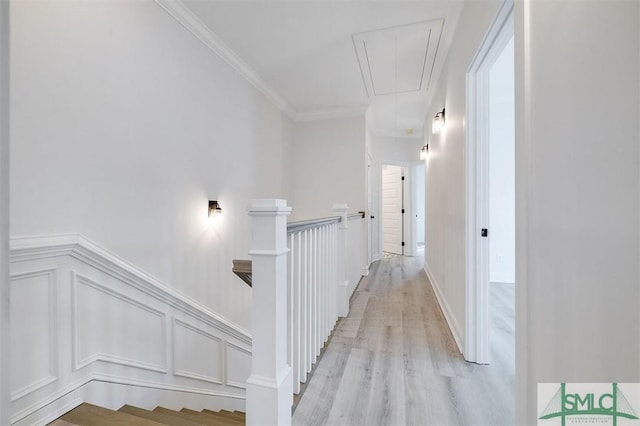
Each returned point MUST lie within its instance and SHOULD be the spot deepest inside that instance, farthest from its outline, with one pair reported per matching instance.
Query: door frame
(476, 341)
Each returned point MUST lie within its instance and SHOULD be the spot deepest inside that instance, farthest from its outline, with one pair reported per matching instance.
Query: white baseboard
(454, 327)
(113, 393)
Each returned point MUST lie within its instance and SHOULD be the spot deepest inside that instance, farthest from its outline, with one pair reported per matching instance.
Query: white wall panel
(238, 362)
(196, 353)
(33, 331)
(81, 315)
(110, 326)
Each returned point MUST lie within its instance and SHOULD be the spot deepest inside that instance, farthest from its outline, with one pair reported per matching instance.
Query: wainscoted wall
(88, 326)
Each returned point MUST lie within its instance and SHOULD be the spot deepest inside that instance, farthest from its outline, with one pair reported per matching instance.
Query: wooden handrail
(313, 223)
(242, 268)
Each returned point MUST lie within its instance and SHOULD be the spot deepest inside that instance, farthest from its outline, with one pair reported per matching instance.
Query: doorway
(490, 215)
(393, 209)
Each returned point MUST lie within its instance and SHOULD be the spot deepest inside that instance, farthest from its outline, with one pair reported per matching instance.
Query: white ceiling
(303, 53)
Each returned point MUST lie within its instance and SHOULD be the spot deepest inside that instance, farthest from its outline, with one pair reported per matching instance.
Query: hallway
(393, 361)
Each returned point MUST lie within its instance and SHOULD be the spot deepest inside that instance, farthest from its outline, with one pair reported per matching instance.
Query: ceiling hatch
(398, 59)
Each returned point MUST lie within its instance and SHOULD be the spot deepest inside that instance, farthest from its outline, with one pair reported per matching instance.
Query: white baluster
(309, 285)
(343, 280)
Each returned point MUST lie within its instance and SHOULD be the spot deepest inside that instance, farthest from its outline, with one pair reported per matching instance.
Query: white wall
(329, 166)
(445, 182)
(396, 151)
(123, 125)
(502, 203)
(577, 194)
(418, 185)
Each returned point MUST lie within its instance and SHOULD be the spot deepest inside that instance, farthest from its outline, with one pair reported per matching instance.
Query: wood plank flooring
(393, 361)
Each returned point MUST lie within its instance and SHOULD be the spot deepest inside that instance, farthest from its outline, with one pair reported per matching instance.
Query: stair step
(217, 418)
(198, 418)
(58, 422)
(157, 416)
(92, 415)
(235, 415)
(195, 419)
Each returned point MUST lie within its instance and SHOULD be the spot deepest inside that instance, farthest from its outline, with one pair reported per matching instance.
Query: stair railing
(304, 275)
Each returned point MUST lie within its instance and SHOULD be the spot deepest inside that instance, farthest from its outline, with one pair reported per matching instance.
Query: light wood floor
(393, 361)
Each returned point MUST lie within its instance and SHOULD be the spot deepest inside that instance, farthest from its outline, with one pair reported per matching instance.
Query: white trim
(190, 374)
(118, 380)
(78, 363)
(52, 274)
(456, 331)
(228, 382)
(83, 249)
(331, 114)
(476, 344)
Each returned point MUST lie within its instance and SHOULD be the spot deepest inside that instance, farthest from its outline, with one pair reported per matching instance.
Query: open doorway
(490, 229)
(502, 214)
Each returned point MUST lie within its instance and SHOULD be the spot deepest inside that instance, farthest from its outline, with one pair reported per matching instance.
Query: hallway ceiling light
(424, 151)
(438, 122)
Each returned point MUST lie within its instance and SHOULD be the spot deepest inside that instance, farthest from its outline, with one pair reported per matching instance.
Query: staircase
(88, 414)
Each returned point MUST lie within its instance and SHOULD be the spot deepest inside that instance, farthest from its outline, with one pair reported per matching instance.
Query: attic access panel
(398, 59)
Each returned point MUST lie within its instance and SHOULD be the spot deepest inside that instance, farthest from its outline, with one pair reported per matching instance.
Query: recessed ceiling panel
(398, 59)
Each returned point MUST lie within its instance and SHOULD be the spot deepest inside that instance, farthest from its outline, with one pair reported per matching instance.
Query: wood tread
(91, 415)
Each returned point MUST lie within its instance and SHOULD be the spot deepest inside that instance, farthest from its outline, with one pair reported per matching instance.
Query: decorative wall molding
(80, 361)
(331, 114)
(83, 249)
(229, 381)
(456, 331)
(51, 324)
(109, 324)
(221, 364)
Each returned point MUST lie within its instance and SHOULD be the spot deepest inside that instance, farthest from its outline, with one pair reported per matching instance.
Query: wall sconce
(438, 122)
(214, 209)
(424, 151)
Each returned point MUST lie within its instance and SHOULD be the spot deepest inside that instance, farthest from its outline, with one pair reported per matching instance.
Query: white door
(392, 205)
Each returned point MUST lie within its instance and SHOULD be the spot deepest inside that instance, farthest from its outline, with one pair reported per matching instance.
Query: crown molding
(181, 13)
(331, 114)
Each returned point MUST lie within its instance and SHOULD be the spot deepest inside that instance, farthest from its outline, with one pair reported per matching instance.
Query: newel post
(343, 279)
(270, 386)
